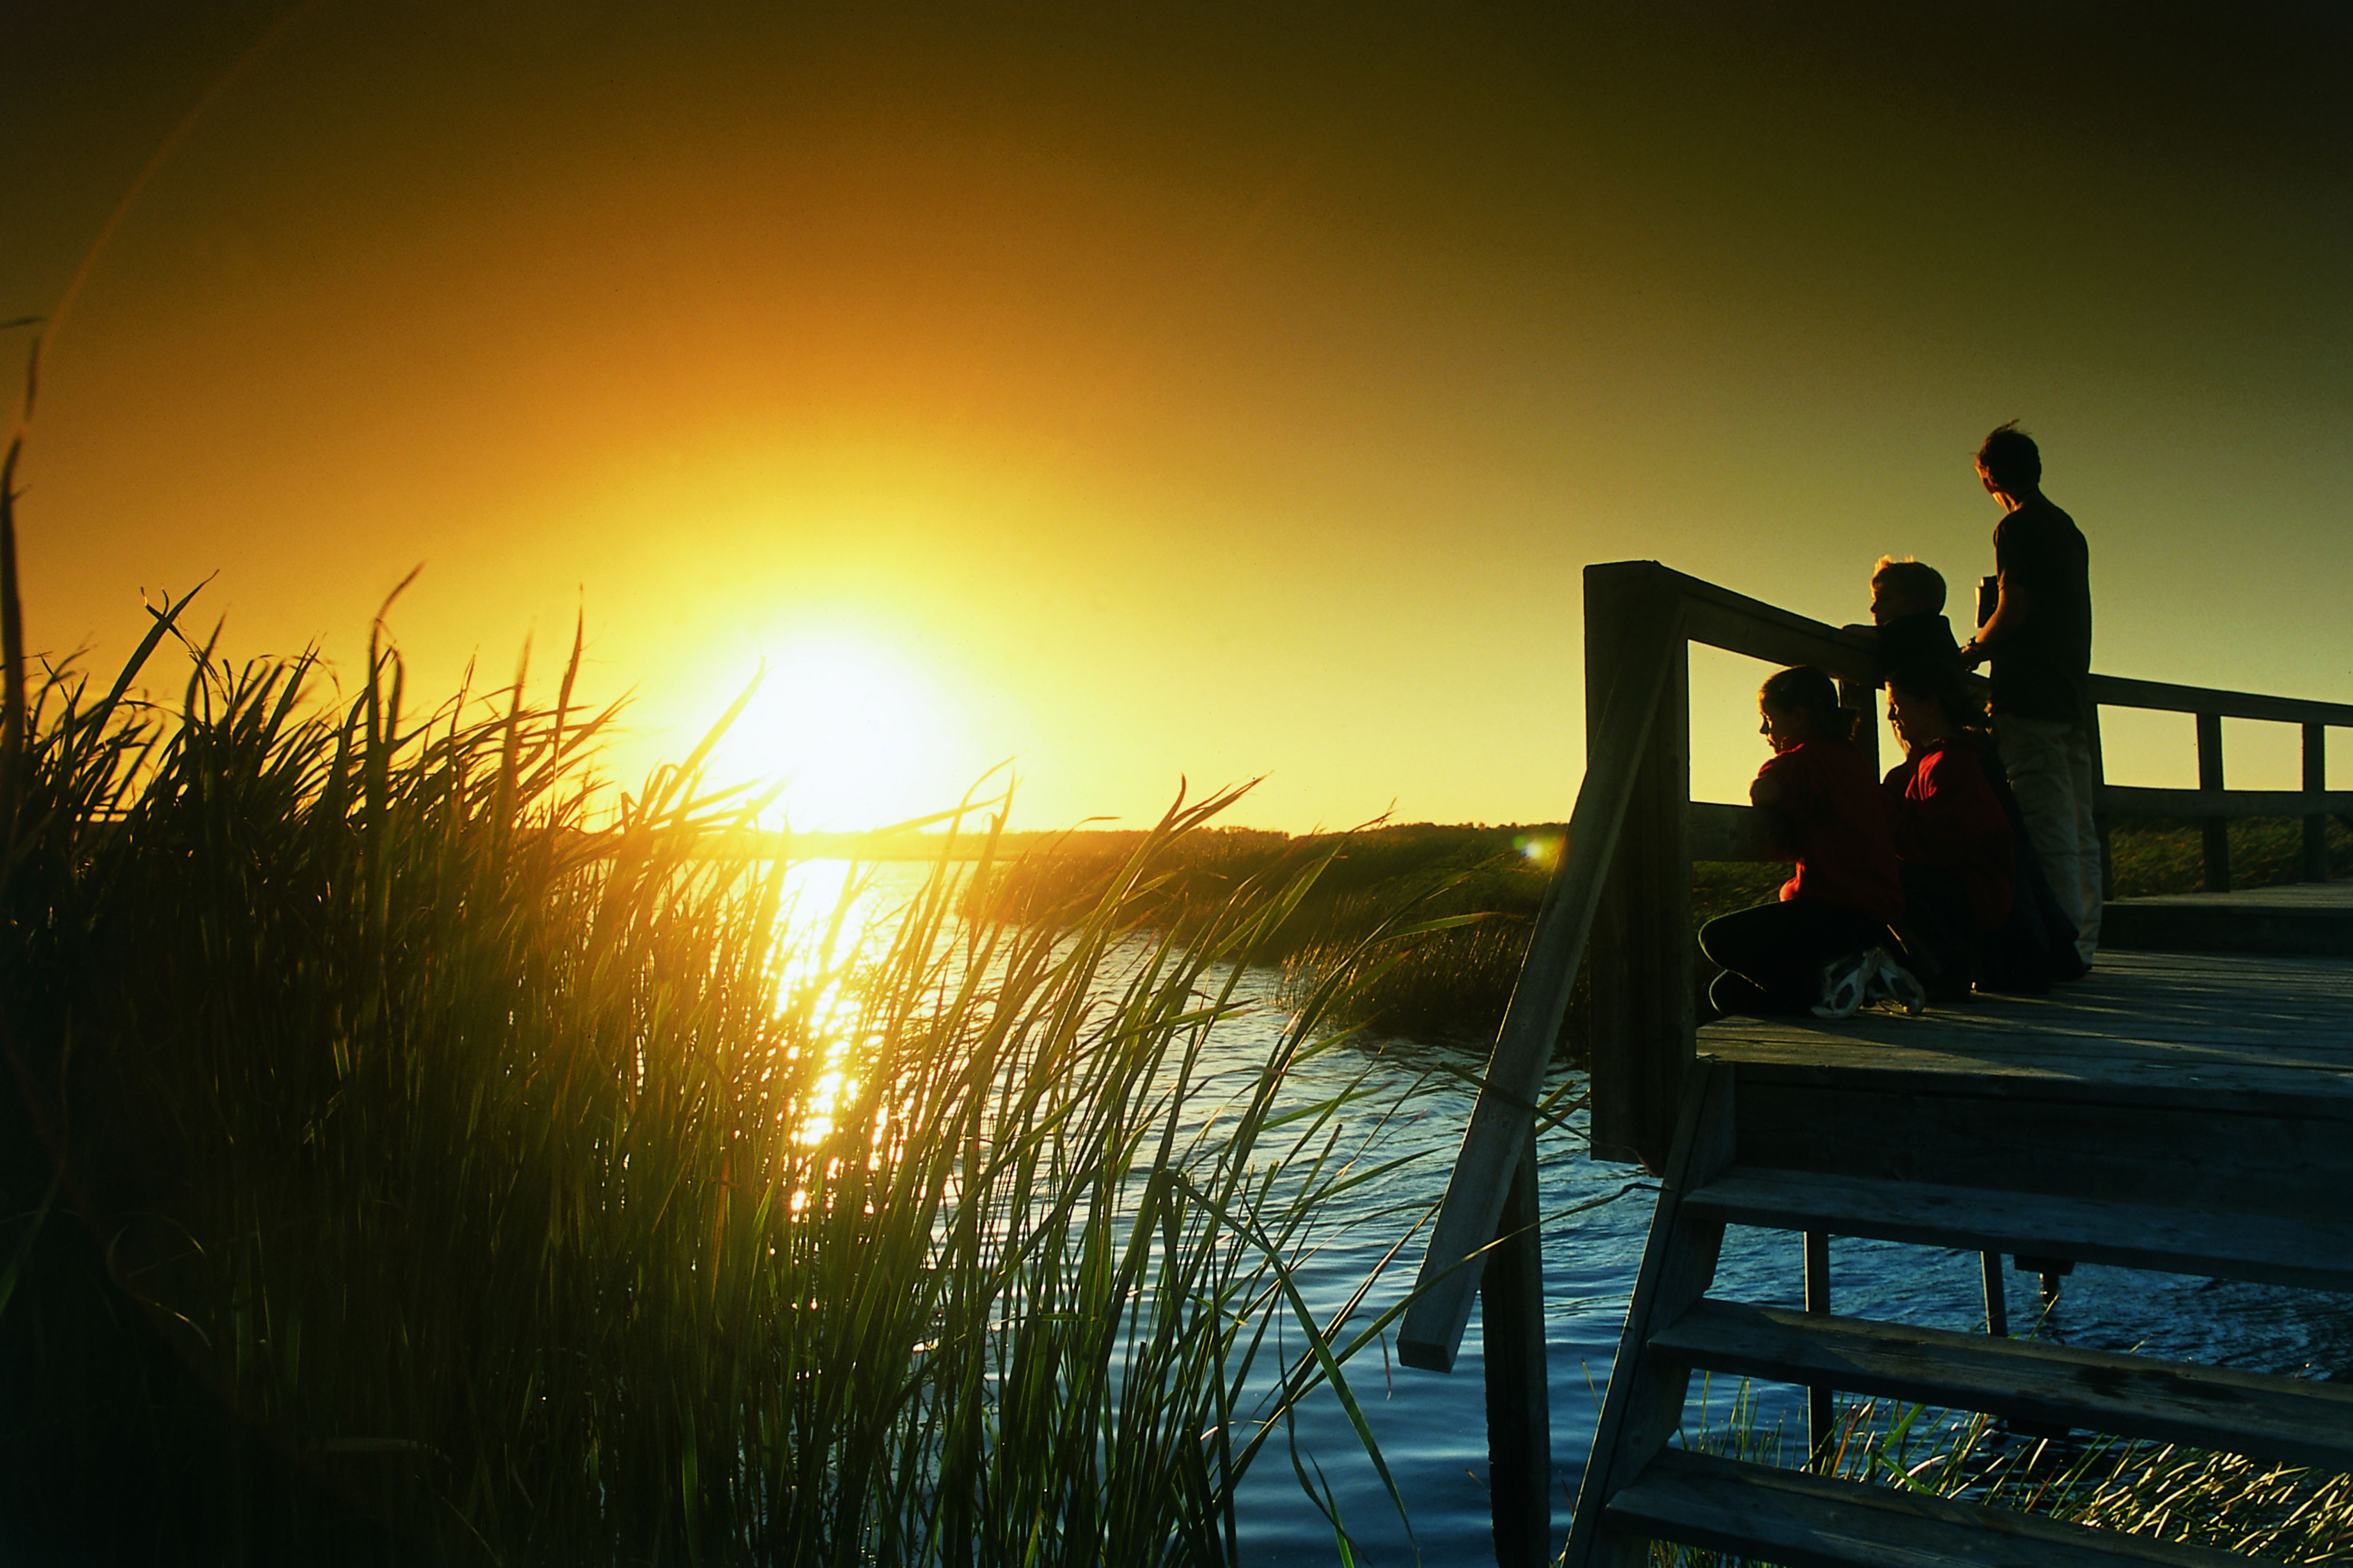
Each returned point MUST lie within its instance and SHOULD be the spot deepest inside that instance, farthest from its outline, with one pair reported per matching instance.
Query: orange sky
(1194, 394)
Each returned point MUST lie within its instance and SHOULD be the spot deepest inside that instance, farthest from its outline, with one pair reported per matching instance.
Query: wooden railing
(1620, 907)
(2212, 804)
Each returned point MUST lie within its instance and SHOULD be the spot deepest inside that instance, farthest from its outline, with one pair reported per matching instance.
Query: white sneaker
(1895, 986)
(1843, 983)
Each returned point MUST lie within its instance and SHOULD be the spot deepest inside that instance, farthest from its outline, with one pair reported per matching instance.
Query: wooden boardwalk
(2313, 918)
(2185, 1108)
(2196, 1024)
(2181, 1112)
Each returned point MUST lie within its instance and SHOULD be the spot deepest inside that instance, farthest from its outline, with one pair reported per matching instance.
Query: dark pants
(1773, 954)
(1936, 931)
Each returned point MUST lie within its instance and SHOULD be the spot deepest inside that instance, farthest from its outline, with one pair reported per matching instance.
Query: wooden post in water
(2217, 829)
(1997, 1297)
(1821, 1408)
(1640, 956)
(1519, 1407)
(2316, 781)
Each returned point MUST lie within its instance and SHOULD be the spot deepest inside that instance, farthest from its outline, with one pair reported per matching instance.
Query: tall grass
(1455, 985)
(404, 1161)
(2281, 1513)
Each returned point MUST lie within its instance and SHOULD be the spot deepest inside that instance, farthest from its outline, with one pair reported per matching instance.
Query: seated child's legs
(1935, 932)
(1780, 949)
(1729, 994)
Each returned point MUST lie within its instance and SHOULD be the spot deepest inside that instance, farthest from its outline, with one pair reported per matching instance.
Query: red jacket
(1946, 816)
(1837, 824)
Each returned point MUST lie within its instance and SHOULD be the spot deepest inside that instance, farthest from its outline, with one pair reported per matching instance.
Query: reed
(2280, 1513)
(410, 1160)
(1454, 983)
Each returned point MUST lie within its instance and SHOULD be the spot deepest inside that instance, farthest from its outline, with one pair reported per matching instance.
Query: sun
(855, 734)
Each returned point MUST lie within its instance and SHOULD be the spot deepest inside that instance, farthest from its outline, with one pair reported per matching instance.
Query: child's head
(1906, 587)
(1926, 703)
(1801, 704)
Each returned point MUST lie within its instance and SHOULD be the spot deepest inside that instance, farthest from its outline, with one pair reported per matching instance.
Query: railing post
(2316, 781)
(1639, 965)
(1640, 647)
(2217, 829)
(1519, 1405)
(2100, 824)
(1863, 698)
(1821, 1400)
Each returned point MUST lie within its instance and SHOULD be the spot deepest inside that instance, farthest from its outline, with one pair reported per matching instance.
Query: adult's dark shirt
(2043, 665)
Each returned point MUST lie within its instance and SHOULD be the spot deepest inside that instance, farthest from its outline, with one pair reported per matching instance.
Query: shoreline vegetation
(394, 1171)
(1452, 985)
(2195, 1497)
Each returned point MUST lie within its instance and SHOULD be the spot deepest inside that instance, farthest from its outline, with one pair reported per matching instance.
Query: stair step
(2292, 1419)
(2312, 1253)
(1803, 1521)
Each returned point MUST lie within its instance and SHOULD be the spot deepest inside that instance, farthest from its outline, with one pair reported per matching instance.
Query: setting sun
(855, 735)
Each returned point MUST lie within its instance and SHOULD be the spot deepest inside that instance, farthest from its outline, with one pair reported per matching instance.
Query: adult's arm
(2013, 606)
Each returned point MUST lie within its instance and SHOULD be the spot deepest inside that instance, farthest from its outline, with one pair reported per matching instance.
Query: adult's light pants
(2050, 764)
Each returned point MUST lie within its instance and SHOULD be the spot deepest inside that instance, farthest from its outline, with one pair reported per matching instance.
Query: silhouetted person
(1954, 848)
(1822, 944)
(2040, 640)
(1907, 606)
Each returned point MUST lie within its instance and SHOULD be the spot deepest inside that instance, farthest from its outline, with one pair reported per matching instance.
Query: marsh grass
(2163, 857)
(1454, 983)
(408, 1158)
(2278, 1512)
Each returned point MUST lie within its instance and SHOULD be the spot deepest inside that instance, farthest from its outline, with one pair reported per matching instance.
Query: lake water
(1431, 1428)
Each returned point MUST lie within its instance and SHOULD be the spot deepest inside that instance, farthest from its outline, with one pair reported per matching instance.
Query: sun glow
(855, 735)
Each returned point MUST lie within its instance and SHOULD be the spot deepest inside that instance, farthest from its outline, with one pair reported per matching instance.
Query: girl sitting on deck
(1823, 945)
(1953, 840)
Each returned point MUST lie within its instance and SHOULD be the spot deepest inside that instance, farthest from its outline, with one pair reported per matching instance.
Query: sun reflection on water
(839, 919)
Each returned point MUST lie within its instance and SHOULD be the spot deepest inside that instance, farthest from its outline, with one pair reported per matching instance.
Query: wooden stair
(2082, 1197)
(1800, 1520)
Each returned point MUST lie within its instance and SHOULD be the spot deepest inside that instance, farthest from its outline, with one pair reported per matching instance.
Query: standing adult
(2040, 640)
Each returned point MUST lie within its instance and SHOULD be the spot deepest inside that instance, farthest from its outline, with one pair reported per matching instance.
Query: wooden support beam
(1447, 1286)
(2122, 691)
(1822, 1399)
(1997, 1295)
(2315, 782)
(2134, 800)
(2100, 823)
(2217, 829)
(1519, 1409)
(1861, 698)
(1641, 959)
(1730, 832)
(2054, 1387)
(1644, 1404)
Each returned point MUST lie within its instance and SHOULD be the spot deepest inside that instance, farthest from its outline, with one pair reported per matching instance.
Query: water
(1432, 1427)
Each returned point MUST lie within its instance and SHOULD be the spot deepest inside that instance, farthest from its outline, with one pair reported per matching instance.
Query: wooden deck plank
(2272, 1248)
(2296, 1420)
(1813, 1521)
(2254, 1025)
(2285, 895)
